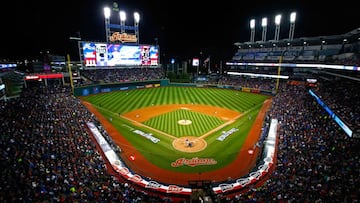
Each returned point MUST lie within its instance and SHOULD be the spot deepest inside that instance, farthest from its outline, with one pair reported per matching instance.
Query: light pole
(292, 25)
(252, 29)
(107, 12)
(136, 26)
(122, 21)
(122, 27)
(264, 29)
(277, 27)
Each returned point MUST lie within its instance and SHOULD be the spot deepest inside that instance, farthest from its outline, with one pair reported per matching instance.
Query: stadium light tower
(107, 13)
(136, 25)
(264, 29)
(122, 21)
(252, 28)
(292, 25)
(277, 27)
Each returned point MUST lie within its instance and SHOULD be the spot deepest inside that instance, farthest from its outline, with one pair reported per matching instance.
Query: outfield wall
(110, 87)
(243, 89)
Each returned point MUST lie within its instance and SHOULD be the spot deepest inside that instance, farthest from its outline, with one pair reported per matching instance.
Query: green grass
(162, 153)
(169, 123)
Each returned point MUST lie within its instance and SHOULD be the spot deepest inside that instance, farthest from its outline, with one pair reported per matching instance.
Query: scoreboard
(95, 54)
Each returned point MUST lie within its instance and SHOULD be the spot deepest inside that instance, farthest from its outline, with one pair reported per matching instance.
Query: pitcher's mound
(189, 144)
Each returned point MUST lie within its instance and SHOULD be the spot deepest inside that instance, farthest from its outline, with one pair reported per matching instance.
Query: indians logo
(122, 170)
(243, 181)
(153, 185)
(193, 162)
(226, 187)
(174, 189)
(136, 178)
(122, 37)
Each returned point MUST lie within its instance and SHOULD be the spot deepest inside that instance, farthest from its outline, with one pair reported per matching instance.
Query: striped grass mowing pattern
(162, 154)
(200, 123)
(125, 101)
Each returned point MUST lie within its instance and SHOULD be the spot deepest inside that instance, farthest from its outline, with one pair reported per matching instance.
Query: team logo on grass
(193, 162)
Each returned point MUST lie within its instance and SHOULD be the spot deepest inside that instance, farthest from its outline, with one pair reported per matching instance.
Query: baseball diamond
(183, 131)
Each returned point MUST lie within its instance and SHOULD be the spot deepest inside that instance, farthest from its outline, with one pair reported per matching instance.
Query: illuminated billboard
(103, 54)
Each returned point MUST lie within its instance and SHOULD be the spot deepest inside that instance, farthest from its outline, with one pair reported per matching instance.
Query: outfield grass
(162, 153)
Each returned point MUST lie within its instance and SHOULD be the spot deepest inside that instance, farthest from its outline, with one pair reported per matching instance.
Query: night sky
(183, 29)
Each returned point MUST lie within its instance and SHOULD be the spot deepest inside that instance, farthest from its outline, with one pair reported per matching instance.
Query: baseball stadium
(277, 124)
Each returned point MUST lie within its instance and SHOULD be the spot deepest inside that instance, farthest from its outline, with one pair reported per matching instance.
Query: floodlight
(277, 19)
(136, 17)
(136, 25)
(122, 16)
(292, 17)
(107, 12)
(277, 27)
(292, 25)
(264, 22)
(252, 27)
(264, 28)
(252, 23)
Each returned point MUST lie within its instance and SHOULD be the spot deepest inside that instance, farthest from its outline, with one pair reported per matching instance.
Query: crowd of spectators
(248, 82)
(316, 160)
(342, 97)
(117, 75)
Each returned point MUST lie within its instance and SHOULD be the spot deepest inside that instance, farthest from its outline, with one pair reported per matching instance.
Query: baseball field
(176, 134)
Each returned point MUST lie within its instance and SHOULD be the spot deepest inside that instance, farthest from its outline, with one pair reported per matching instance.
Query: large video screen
(102, 54)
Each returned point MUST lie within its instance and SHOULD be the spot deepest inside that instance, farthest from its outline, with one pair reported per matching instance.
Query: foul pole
(70, 74)
(278, 78)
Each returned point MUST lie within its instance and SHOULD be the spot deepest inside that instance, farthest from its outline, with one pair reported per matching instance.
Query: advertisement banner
(246, 89)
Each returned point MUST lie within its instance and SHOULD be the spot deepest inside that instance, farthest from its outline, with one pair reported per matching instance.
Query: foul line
(173, 137)
(143, 125)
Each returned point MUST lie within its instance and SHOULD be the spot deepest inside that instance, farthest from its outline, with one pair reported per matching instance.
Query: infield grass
(200, 123)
